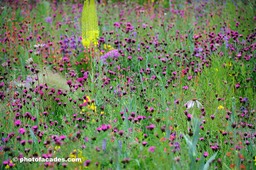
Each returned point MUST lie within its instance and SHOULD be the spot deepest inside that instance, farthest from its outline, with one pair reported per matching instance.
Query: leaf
(207, 164)
(188, 141)
(196, 126)
(33, 136)
(138, 162)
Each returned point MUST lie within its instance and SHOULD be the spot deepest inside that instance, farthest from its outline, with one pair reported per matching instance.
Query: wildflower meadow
(128, 84)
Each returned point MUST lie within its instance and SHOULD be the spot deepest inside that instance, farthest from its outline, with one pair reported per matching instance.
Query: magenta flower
(144, 143)
(87, 163)
(185, 87)
(206, 154)
(189, 117)
(22, 131)
(151, 127)
(117, 24)
(151, 149)
(17, 123)
(23, 142)
(237, 86)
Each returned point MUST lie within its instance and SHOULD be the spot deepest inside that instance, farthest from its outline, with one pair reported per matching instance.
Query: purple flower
(151, 149)
(104, 144)
(62, 137)
(87, 163)
(111, 54)
(237, 85)
(22, 131)
(117, 24)
(48, 20)
(189, 117)
(17, 123)
(22, 142)
(176, 146)
(212, 117)
(1, 84)
(206, 154)
(144, 143)
(34, 128)
(151, 127)
(185, 87)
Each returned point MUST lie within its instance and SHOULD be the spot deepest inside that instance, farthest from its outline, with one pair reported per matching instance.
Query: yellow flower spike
(90, 28)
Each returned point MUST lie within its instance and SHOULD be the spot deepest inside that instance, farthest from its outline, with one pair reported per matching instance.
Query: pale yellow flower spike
(90, 28)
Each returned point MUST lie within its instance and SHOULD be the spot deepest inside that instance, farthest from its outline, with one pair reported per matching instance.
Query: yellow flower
(102, 113)
(77, 154)
(92, 107)
(56, 148)
(229, 64)
(88, 99)
(108, 47)
(220, 107)
(72, 156)
(7, 167)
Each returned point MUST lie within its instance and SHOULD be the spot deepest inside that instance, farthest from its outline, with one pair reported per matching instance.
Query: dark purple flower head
(151, 127)
(144, 143)
(87, 163)
(23, 142)
(189, 117)
(117, 24)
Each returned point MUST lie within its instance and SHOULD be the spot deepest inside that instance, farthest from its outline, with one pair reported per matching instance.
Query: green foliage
(154, 88)
(43, 11)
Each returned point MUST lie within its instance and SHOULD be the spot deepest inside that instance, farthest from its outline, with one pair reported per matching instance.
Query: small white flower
(30, 60)
(192, 103)
(39, 45)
